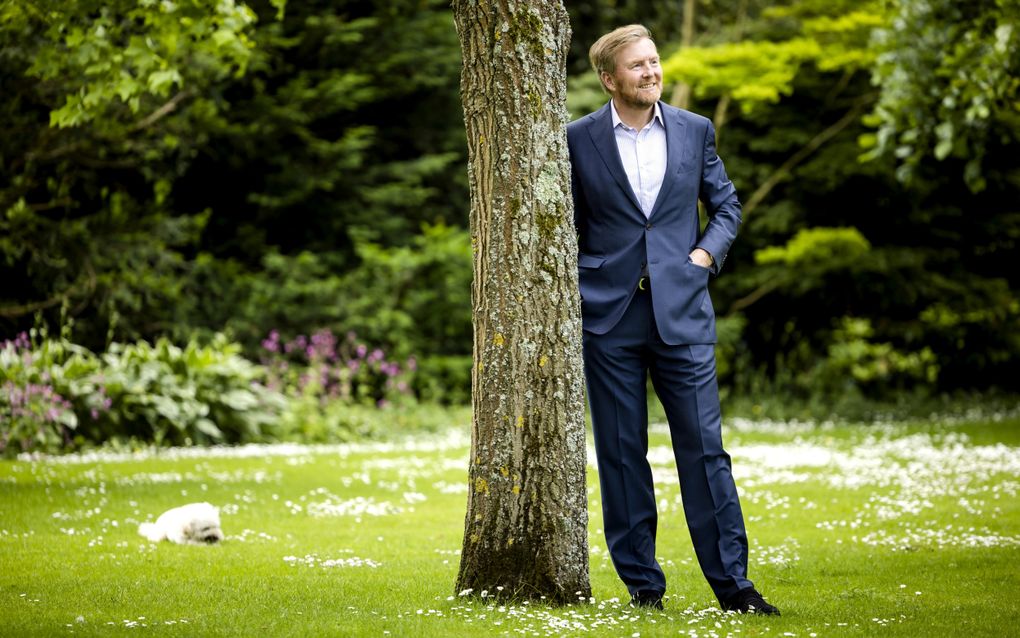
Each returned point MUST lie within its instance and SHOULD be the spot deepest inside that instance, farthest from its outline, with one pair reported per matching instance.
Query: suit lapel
(604, 138)
(676, 138)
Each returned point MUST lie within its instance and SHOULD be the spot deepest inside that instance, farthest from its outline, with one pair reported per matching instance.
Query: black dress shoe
(651, 599)
(748, 601)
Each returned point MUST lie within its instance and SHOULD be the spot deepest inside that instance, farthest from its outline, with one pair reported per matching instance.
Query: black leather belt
(644, 284)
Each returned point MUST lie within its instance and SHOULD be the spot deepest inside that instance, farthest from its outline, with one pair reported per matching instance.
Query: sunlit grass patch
(870, 530)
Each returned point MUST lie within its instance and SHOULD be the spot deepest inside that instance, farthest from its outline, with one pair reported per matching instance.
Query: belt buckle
(642, 284)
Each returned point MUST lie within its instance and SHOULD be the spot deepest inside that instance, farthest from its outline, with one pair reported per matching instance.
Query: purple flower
(20, 342)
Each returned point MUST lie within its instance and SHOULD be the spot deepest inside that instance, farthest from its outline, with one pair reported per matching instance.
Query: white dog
(192, 524)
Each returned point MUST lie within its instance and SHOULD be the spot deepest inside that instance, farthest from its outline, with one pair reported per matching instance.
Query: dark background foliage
(306, 169)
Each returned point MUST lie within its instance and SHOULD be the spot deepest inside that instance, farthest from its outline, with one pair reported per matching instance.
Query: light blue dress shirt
(643, 154)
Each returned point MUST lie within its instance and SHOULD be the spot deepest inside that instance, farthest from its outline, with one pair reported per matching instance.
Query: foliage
(444, 379)
(751, 72)
(826, 236)
(33, 413)
(855, 361)
(327, 368)
(949, 73)
(257, 133)
(85, 214)
(184, 169)
(59, 395)
(126, 52)
(763, 68)
(819, 249)
(413, 299)
(416, 297)
(840, 30)
(187, 396)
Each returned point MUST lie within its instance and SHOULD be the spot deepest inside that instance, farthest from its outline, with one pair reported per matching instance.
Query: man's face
(637, 80)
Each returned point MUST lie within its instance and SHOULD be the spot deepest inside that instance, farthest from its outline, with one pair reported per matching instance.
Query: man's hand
(702, 257)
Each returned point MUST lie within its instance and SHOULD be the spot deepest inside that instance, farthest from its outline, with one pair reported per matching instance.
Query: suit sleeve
(577, 193)
(721, 204)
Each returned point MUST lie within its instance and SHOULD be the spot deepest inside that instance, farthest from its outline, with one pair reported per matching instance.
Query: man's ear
(607, 81)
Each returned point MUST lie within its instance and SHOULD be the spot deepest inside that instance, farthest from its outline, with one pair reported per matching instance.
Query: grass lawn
(899, 530)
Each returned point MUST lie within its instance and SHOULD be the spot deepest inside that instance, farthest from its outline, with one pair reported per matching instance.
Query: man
(639, 167)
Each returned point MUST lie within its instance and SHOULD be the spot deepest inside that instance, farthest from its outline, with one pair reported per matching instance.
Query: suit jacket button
(648, 226)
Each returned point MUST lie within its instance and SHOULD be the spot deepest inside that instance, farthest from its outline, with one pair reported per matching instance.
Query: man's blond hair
(603, 53)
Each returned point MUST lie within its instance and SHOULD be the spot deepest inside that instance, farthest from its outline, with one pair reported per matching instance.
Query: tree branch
(719, 118)
(813, 145)
(755, 295)
(26, 309)
(163, 111)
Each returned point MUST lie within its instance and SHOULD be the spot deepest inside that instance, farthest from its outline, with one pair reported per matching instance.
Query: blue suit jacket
(616, 241)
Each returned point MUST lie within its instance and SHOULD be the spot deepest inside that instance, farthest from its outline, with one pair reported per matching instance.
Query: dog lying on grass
(192, 524)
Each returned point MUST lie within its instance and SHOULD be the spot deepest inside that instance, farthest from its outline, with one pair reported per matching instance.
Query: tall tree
(525, 533)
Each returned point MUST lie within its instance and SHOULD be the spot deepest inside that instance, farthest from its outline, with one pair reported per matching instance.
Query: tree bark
(526, 529)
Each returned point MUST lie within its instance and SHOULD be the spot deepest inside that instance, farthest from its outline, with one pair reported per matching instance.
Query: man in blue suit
(639, 167)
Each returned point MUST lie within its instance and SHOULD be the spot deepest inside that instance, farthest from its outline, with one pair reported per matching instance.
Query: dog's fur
(192, 524)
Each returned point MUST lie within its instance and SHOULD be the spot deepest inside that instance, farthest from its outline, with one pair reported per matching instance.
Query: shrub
(875, 369)
(444, 379)
(55, 395)
(327, 368)
(191, 395)
(47, 393)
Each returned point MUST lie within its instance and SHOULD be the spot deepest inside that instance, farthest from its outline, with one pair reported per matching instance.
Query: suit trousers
(617, 365)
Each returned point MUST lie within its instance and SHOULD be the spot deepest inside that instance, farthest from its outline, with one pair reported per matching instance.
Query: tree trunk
(682, 90)
(526, 530)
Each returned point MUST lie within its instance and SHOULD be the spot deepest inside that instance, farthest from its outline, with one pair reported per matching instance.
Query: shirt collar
(617, 121)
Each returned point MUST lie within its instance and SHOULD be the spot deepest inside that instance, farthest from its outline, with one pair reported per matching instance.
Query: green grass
(905, 530)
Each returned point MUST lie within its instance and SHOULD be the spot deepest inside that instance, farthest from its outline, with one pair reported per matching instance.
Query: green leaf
(239, 400)
(160, 82)
(224, 38)
(209, 428)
